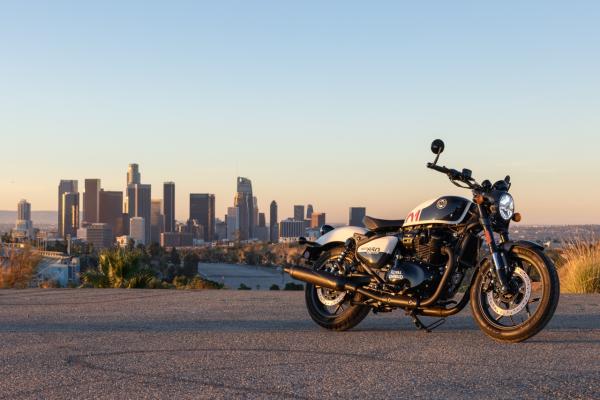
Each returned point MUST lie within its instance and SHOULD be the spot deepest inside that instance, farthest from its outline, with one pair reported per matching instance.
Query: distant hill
(38, 217)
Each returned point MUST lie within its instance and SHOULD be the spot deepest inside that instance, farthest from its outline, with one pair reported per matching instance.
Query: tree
(119, 269)
(190, 264)
(19, 268)
(174, 257)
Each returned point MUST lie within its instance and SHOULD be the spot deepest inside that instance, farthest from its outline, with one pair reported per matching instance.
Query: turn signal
(517, 217)
(479, 199)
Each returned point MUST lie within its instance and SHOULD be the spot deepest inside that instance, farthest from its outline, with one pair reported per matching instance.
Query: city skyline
(299, 91)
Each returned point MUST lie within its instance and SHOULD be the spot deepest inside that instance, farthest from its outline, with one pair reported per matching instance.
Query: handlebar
(454, 175)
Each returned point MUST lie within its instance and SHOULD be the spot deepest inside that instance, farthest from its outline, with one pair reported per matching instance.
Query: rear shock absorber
(348, 248)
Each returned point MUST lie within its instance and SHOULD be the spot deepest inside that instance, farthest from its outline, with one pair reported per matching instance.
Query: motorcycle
(421, 264)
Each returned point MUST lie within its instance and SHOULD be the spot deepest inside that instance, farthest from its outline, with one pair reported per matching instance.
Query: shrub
(293, 286)
(18, 269)
(244, 287)
(580, 272)
(274, 287)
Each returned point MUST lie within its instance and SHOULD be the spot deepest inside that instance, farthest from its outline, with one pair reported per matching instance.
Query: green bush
(274, 287)
(244, 287)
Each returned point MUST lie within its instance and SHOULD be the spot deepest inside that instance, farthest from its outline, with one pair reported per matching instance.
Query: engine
(420, 263)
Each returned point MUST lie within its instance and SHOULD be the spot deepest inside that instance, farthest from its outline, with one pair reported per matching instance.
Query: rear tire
(544, 277)
(349, 315)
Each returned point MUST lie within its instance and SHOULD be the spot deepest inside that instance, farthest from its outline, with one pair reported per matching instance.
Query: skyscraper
(309, 212)
(317, 220)
(65, 186)
(137, 230)
(133, 175)
(202, 209)
(273, 223)
(111, 211)
(299, 213)
(233, 227)
(156, 221)
(169, 206)
(70, 214)
(91, 201)
(139, 199)
(357, 214)
(244, 200)
(24, 225)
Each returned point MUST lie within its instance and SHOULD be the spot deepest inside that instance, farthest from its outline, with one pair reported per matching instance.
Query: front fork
(498, 257)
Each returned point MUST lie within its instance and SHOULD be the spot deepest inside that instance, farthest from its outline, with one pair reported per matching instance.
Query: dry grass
(18, 269)
(580, 272)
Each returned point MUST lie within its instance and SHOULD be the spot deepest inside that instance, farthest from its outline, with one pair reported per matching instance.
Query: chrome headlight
(506, 206)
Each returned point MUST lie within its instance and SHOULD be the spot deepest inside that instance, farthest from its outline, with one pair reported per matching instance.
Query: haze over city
(316, 103)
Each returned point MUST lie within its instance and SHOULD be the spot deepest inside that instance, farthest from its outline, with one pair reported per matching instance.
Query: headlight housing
(506, 206)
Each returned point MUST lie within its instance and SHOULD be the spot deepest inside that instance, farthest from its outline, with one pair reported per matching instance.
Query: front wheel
(330, 309)
(525, 311)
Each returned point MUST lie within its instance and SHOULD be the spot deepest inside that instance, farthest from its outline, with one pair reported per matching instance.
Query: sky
(330, 103)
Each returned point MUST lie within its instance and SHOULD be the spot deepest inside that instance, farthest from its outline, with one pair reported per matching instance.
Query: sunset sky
(332, 103)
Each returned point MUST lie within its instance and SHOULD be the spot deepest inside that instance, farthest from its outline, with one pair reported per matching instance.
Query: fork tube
(498, 260)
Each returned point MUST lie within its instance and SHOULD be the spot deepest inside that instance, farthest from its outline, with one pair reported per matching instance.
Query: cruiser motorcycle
(422, 264)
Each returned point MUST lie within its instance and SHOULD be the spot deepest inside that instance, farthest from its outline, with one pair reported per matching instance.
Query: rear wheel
(523, 313)
(330, 309)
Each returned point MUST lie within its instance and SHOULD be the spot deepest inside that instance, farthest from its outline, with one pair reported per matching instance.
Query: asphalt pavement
(129, 344)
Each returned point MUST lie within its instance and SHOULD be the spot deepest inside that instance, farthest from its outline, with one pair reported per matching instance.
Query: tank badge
(441, 204)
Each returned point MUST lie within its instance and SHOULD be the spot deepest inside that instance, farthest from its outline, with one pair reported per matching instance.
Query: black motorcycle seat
(382, 225)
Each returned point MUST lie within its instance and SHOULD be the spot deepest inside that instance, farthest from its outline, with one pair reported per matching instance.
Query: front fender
(508, 246)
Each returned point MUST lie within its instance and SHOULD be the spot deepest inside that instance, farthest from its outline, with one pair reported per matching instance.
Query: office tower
(111, 212)
(169, 206)
(232, 219)
(262, 220)
(202, 209)
(220, 230)
(24, 226)
(100, 235)
(273, 223)
(139, 198)
(291, 229)
(299, 213)
(244, 200)
(70, 214)
(91, 201)
(137, 230)
(65, 186)
(357, 214)
(156, 221)
(317, 220)
(133, 175)
(309, 212)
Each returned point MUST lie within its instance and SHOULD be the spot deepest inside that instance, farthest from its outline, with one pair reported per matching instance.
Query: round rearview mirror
(437, 147)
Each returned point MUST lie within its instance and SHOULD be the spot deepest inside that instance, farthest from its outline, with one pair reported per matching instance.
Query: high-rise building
(24, 210)
(202, 209)
(70, 214)
(65, 186)
(299, 213)
(139, 199)
(169, 206)
(317, 220)
(244, 200)
(176, 239)
(273, 223)
(291, 229)
(232, 220)
(100, 235)
(111, 211)
(156, 221)
(133, 175)
(137, 230)
(309, 212)
(91, 201)
(357, 214)
(24, 226)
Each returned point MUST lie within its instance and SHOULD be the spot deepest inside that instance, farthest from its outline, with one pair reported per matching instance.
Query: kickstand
(427, 328)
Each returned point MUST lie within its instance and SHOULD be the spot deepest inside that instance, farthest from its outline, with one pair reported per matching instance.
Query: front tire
(514, 320)
(336, 317)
